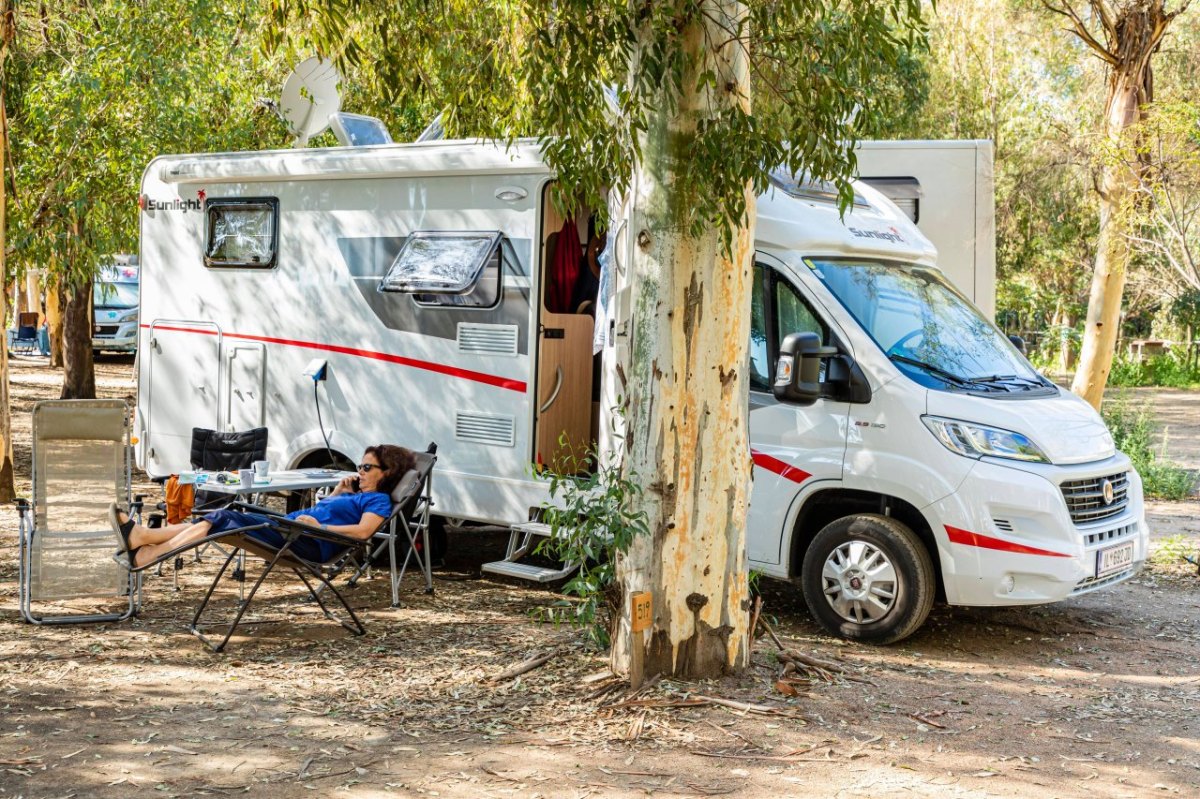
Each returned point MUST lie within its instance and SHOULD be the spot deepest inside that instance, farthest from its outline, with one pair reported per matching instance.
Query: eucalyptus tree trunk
(685, 387)
(55, 303)
(8, 490)
(1130, 33)
(79, 374)
(1118, 186)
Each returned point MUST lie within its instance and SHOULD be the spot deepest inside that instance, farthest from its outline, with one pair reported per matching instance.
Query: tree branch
(1079, 28)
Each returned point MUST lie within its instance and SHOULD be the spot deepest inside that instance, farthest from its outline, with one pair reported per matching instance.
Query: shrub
(1168, 371)
(594, 515)
(1133, 432)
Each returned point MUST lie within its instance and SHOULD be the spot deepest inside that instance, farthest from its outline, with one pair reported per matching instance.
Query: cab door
(792, 446)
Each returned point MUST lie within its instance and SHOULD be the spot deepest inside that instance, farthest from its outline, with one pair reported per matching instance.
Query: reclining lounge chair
(316, 576)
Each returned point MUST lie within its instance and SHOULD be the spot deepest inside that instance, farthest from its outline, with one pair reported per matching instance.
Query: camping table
(277, 481)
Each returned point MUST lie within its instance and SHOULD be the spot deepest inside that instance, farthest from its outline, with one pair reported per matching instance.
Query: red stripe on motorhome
(784, 470)
(465, 374)
(967, 538)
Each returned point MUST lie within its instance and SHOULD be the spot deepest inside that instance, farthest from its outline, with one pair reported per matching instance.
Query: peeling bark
(686, 400)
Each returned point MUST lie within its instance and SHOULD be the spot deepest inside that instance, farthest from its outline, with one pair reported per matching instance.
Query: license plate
(1114, 559)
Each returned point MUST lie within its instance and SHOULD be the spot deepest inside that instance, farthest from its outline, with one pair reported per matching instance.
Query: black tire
(886, 611)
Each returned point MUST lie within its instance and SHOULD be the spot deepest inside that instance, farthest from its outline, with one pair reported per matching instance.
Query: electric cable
(317, 401)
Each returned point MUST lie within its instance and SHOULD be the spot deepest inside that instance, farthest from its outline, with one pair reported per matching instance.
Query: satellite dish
(310, 95)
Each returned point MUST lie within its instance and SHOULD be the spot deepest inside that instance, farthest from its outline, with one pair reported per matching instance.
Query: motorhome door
(185, 390)
(564, 410)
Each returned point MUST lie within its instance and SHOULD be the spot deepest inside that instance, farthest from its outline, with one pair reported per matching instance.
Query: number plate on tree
(1114, 559)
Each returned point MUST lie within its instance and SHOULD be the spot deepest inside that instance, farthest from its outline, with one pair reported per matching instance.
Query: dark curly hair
(396, 461)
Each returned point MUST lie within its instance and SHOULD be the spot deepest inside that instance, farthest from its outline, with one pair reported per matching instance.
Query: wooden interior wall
(565, 427)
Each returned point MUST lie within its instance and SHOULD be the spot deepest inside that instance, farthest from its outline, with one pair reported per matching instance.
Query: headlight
(131, 316)
(976, 440)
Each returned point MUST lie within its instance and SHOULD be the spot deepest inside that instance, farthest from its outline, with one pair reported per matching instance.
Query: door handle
(558, 381)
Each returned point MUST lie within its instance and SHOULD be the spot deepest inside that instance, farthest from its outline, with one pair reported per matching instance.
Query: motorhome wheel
(868, 578)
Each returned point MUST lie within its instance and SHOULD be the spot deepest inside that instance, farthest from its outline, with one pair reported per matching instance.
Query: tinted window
(776, 311)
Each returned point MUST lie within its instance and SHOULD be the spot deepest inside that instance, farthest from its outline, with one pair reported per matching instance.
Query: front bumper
(1006, 537)
(124, 339)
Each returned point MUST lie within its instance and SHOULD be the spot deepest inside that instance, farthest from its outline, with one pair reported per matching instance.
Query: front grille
(107, 330)
(1085, 498)
(1092, 583)
(1110, 536)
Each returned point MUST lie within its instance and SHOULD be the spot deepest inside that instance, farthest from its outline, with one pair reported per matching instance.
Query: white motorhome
(936, 461)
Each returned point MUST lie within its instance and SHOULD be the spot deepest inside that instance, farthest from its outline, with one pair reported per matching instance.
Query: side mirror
(797, 372)
(1019, 343)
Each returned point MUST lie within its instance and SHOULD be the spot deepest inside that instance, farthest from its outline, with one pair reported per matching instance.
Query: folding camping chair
(411, 503)
(80, 466)
(216, 451)
(26, 340)
(238, 542)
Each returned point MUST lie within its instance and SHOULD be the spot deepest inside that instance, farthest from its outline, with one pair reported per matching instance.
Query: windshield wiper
(1027, 382)
(937, 371)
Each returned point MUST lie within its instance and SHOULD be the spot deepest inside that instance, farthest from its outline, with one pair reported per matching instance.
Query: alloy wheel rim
(859, 582)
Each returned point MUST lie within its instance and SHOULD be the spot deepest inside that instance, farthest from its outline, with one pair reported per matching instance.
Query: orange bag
(180, 499)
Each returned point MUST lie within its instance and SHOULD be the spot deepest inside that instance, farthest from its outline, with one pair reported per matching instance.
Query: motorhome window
(802, 187)
(904, 192)
(448, 269)
(242, 232)
(927, 328)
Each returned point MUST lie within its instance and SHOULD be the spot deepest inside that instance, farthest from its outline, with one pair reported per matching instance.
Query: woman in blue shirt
(355, 508)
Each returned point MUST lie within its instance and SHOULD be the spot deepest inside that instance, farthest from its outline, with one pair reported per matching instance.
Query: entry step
(540, 529)
(525, 571)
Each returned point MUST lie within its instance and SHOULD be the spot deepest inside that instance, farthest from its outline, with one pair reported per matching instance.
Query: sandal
(123, 530)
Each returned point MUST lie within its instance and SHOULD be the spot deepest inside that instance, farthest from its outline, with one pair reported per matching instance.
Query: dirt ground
(1095, 697)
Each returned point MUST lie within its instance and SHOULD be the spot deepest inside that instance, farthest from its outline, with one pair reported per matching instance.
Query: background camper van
(937, 462)
(115, 305)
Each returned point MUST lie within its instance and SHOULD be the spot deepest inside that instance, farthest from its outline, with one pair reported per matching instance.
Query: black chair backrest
(216, 451)
(407, 492)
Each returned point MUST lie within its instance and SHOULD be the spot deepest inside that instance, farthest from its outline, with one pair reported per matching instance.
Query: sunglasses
(365, 468)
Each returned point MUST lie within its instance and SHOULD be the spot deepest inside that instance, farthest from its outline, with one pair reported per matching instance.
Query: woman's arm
(365, 528)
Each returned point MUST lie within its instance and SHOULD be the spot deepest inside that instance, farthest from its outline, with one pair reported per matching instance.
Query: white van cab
(903, 449)
(115, 305)
(936, 459)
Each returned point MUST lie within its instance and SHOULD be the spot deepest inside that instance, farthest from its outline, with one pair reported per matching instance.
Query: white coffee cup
(262, 469)
(246, 476)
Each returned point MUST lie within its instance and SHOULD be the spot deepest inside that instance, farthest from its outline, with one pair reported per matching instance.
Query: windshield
(115, 295)
(927, 328)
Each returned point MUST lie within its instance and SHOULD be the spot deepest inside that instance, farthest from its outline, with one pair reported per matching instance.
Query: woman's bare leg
(152, 550)
(141, 535)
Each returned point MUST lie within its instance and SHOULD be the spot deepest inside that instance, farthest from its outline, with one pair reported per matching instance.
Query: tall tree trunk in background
(686, 414)
(79, 374)
(8, 489)
(1130, 32)
(55, 303)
